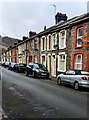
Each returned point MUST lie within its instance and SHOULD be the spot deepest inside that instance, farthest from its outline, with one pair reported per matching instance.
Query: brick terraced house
(65, 45)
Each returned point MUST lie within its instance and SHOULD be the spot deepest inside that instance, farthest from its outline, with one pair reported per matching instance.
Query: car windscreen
(36, 66)
(84, 72)
(42, 67)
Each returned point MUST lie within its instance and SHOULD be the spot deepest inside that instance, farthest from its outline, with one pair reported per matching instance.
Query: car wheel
(59, 81)
(76, 85)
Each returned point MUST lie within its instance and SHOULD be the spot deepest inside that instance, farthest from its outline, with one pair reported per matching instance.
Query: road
(40, 98)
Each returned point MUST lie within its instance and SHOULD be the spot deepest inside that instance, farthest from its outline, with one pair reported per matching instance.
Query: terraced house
(66, 44)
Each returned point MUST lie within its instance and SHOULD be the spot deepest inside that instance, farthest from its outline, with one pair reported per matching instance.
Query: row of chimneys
(59, 17)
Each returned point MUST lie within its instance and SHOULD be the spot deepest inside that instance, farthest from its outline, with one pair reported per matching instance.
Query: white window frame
(78, 63)
(79, 37)
(60, 39)
(53, 40)
(48, 42)
(44, 43)
(64, 69)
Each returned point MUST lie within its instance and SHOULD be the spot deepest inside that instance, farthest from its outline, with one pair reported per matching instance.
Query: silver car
(76, 78)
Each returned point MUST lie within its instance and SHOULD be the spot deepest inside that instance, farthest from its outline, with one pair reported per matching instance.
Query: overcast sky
(18, 18)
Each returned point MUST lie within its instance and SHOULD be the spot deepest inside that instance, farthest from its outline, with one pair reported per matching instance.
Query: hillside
(8, 41)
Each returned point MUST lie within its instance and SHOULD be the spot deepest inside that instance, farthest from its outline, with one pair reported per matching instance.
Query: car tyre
(76, 86)
(59, 81)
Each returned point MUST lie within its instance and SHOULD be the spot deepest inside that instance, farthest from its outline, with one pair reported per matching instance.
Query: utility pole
(54, 11)
(56, 48)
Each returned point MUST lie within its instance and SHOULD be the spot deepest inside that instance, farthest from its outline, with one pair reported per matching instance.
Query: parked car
(37, 70)
(3, 64)
(76, 78)
(6, 64)
(11, 65)
(20, 67)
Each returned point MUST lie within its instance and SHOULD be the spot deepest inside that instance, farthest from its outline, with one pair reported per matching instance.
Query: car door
(30, 68)
(67, 76)
(71, 76)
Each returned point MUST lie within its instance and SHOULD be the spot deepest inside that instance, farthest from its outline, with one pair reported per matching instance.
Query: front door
(53, 65)
(49, 64)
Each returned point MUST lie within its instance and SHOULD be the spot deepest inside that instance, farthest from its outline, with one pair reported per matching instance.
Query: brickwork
(70, 49)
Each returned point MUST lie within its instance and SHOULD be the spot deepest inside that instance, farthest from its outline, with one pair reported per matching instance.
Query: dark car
(11, 65)
(6, 65)
(76, 78)
(37, 70)
(20, 67)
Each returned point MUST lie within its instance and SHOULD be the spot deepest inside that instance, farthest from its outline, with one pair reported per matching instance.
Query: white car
(76, 78)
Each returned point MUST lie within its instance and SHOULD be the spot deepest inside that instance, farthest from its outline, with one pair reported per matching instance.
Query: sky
(19, 18)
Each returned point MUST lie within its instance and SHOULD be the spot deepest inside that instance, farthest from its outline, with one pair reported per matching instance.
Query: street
(27, 97)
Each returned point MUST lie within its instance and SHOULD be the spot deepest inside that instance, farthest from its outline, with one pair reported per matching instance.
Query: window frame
(62, 60)
(60, 39)
(78, 63)
(54, 40)
(79, 37)
(75, 36)
(73, 59)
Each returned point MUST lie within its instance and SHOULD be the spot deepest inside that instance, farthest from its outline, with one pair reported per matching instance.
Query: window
(79, 36)
(70, 72)
(62, 39)
(36, 66)
(49, 47)
(43, 41)
(78, 61)
(54, 39)
(62, 62)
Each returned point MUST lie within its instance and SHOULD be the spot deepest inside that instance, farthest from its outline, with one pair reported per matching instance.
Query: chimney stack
(44, 27)
(59, 17)
(31, 34)
(24, 38)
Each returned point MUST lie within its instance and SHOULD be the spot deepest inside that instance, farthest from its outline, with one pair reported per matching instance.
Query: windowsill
(61, 70)
(49, 49)
(78, 47)
(62, 48)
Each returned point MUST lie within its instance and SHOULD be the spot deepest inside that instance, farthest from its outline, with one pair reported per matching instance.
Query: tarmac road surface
(41, 98)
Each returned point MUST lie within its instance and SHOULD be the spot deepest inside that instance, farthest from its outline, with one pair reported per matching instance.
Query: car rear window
(84, 72)
(22, 65)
